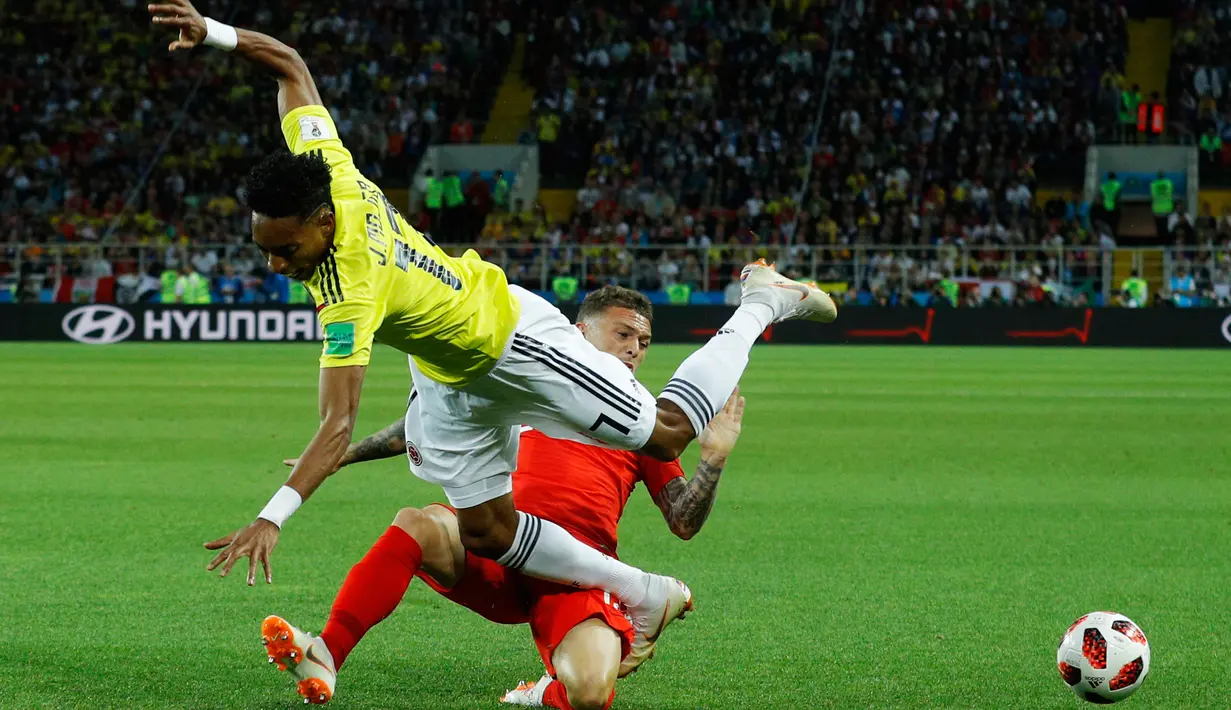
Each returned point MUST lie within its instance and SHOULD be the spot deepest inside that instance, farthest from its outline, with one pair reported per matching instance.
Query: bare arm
(339, 403)
(386, 443)
(295, 85)
(686, 505)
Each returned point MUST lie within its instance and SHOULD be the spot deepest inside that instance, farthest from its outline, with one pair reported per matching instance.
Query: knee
(417, 523)
(589, 691)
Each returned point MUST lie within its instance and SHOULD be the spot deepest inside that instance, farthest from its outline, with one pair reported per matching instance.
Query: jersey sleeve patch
(314, 128)
(340, 339)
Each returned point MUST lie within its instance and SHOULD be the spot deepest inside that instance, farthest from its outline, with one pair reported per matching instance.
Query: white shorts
(549, 377)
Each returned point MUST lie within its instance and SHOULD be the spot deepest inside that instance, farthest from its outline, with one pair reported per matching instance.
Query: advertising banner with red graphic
(1115, 327)
(98, 324)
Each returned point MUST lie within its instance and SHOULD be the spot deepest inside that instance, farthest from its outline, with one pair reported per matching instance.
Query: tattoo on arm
(386, 443)
(685, 506)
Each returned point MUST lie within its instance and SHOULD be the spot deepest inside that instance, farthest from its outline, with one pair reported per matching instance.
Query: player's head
(616, 320)
(292, 212)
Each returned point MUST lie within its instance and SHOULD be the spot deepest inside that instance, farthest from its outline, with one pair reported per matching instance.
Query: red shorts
(506, 596)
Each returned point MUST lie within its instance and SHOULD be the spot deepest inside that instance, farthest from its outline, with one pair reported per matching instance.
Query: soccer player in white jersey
(487, 357)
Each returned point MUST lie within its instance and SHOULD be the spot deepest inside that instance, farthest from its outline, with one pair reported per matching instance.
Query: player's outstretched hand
(255, 541)
(182, 15)
(720, 435)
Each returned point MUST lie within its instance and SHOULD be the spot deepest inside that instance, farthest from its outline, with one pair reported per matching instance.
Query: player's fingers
(172, 21)
(252, 570)
(218, 558)
(739, 410)
(232, 558)
(269, 575)
(164, 9)
(290, 462)
(220, 542)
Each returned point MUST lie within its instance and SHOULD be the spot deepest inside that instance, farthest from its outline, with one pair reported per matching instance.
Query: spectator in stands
(205, 261)
(229, 287)
(1183, 288)
(1211, 147)
(73, 149)
(1181, 226)
(462, 130)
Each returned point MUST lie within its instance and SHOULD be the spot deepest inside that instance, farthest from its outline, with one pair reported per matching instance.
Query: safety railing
(704, 267)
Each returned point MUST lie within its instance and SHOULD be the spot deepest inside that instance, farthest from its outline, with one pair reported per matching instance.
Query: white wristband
(220, 35)
(284, 503)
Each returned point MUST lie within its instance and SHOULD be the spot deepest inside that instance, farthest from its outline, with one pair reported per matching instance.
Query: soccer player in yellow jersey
(485, 357)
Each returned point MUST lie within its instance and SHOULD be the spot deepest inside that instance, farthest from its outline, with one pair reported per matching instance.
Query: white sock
(703, 382)
(545, 550)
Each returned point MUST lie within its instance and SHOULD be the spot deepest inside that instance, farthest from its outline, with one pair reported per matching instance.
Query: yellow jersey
(386, 281)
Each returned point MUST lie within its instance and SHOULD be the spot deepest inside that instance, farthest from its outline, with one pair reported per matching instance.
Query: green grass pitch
(900, 528)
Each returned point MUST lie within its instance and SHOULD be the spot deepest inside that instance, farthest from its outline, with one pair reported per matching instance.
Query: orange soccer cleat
(528, 695)
(304, 655)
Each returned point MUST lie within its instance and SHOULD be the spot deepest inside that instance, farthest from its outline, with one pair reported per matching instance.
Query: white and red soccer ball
(1103, 657)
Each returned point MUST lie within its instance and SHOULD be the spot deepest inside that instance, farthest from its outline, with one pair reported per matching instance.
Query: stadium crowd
(691, 128)
(933, 127)
(92, 98)
(1198, 89)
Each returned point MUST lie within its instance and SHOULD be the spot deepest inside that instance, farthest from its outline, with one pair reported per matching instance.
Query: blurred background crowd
(896, 148)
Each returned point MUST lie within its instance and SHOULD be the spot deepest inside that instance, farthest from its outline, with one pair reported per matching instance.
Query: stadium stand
(1197, 84)
(91, 95)
(690, 126)
(689, 132)
(939, 128)
(92, 98)
(939, 116)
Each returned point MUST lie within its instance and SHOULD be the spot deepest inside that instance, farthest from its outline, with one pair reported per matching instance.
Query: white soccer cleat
(528, 695)
(666, 600)
(792, 300)
(304, 655)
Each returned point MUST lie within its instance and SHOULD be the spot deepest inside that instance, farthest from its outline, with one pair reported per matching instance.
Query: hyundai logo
(98, 325)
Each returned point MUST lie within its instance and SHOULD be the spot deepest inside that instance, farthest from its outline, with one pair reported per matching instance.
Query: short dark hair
(285, 184)
(597, 302)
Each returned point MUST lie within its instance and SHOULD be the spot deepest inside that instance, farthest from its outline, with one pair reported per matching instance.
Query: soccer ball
(1103, 657)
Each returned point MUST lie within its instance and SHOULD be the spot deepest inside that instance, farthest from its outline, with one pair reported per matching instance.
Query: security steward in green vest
(196, 287)
(1162, 202)
(1129, 101)
(1211, 147)
(433, 198)
(1111, 189)
(500, 192)
(298, 295)
(950, 288)
(167, 281)
(1136, 287)
(565, 287)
